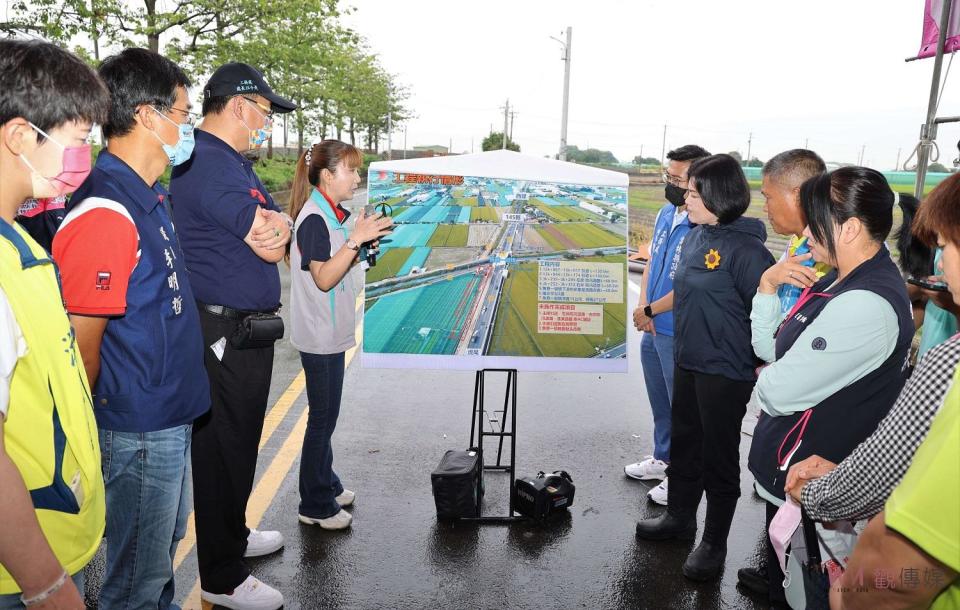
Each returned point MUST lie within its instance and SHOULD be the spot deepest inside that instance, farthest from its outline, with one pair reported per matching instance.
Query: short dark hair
(136, 77)
(216, 104)
(688, 152)
(722, 186)
(845, 193)
(940, 213)
(48, 86)
(794, 167)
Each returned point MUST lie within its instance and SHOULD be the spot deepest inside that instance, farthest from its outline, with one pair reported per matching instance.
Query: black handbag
(816, 579)
(257, 330)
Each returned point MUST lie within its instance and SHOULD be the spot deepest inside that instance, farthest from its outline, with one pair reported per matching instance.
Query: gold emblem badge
(712, 259)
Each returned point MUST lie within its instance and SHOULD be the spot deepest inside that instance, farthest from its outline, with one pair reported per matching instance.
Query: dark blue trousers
(319, 484)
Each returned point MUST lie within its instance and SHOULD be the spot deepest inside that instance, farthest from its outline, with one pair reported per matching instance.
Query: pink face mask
(782, 528)
(75, 169)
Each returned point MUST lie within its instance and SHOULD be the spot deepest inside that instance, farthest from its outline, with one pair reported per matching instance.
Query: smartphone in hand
(926, 284)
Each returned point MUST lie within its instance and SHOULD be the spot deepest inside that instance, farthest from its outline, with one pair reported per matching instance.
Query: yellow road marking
(266, 489)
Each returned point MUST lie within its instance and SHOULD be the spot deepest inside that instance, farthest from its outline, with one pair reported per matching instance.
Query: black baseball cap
(237, 78)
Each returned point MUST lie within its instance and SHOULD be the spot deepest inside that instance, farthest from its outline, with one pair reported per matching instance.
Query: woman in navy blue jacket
(723, 259)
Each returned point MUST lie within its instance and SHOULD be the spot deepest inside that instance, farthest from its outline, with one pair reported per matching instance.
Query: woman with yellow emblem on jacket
(723, 259)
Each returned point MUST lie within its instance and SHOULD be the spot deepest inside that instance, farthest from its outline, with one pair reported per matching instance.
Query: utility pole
(389, 135)
(928, 131)
(450, 147)
(897, 166)
(471, 146)
(566, 92)
(863, 149)
(663, 149)
(506, 115)
(513, 113)
(806, 143)
(640, 165)
(749, 148)
(404, 140)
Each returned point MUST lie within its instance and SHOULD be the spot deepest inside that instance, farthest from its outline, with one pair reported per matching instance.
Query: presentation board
(498, 260)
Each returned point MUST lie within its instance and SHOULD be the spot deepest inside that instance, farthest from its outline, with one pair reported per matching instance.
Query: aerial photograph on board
(482, 266)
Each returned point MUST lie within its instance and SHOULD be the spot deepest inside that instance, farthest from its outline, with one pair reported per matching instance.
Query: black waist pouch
(257, 330)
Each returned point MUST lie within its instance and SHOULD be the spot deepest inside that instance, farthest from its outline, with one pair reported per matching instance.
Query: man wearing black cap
(233, 235)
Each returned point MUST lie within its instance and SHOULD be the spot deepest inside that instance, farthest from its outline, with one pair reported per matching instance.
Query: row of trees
(304, 51)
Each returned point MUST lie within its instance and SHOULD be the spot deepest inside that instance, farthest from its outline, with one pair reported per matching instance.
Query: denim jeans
(147, 477)
(319, 484)
(12, 600)
(656, 358)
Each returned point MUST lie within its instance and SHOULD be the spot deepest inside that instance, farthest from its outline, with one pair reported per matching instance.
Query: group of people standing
(819, 343)
(137, 340)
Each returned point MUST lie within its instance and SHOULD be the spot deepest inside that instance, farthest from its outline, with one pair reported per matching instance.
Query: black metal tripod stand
(478, 432)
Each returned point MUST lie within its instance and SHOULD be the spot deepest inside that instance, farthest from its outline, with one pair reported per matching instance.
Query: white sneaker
(338, 521)
(251, 594)
(346, 498)
(263, 543)
(659, 493)
(646, 470)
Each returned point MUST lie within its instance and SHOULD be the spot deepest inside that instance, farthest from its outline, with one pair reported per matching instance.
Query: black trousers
(224, 453)
(706, 414)
(775, 574)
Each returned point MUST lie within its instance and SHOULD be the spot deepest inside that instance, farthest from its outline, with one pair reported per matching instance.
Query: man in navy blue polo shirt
(233, 237)
(128, 295)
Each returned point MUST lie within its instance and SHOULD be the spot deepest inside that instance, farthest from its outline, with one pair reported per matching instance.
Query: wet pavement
(396, 424)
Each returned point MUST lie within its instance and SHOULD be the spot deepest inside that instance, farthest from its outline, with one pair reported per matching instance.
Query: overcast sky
(828, 72)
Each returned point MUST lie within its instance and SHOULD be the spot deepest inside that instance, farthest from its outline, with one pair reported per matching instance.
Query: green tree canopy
(302, 49)
(590, 155)
(494, 141)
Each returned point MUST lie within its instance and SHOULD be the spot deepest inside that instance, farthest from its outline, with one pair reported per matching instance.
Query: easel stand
(478, 432)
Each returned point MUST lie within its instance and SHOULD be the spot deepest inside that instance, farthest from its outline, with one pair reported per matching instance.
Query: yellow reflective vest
(50, 432)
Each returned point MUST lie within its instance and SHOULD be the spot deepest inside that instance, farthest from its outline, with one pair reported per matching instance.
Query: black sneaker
(705, 562)
(755, 580)
(666, 527)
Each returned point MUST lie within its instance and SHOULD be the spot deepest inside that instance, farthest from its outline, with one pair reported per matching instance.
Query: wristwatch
(648, 311)
(353, 245)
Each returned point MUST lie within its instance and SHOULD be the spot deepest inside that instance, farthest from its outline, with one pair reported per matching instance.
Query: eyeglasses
(189, 118)
(267, 111)
(674, 180)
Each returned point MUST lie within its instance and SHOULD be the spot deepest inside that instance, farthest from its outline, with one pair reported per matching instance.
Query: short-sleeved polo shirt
(216, 195)
(119, 258)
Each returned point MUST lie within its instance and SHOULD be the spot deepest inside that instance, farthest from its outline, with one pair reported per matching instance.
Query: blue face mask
(182, 150)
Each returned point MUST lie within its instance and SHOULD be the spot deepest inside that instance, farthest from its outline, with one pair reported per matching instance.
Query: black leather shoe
(705, 562)
(666, 527)
(754, 580)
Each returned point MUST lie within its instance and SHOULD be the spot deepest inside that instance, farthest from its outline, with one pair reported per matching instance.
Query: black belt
(228, 312)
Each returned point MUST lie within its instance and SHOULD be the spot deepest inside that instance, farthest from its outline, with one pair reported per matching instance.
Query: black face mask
(674, 194)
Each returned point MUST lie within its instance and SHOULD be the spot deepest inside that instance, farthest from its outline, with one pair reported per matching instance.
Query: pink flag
(931, 29)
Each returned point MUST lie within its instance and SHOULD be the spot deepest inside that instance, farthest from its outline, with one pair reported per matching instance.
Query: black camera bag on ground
(458, 484)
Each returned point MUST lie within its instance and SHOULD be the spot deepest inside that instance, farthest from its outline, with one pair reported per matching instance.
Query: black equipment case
(458, 484)
(543, 495)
